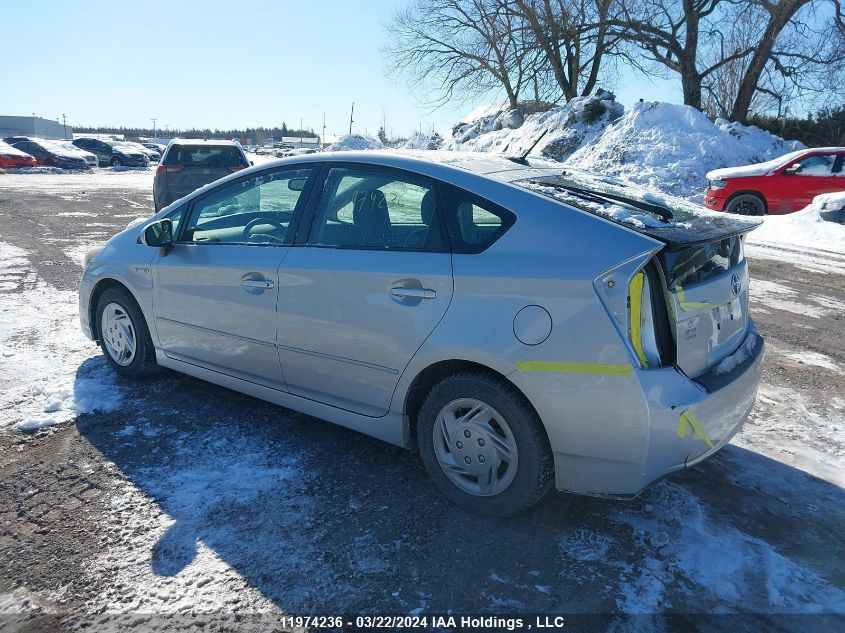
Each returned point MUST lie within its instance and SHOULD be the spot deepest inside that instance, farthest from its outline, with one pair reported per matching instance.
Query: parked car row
(778, 186)
(115, 153)
(44, 153)
(81, 153)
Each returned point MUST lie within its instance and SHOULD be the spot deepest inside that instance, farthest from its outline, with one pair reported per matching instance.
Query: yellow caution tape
(688, 306)
(574, 368)
(688, 419)
(635, 291)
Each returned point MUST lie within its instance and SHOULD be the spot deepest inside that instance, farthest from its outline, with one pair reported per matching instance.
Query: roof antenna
(522, 160)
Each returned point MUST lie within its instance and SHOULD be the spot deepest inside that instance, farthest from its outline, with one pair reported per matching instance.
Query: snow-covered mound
(672, 147)
(355, 142)
(808, 228)
(423, 141)
(560, 130)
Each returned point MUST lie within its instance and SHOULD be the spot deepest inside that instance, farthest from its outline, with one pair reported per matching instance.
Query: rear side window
(473, 222)
(205, 156)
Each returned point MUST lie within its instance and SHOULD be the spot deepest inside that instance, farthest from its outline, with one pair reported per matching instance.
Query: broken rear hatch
(701, 269)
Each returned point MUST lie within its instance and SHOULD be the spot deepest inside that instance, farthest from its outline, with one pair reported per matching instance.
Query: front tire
(124, 336)
(116, 162)
(746, 204)
(483, 445)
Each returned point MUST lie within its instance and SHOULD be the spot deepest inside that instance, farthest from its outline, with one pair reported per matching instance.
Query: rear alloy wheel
(746, 204)
(483, 445)
(124, 337)
(116, 162)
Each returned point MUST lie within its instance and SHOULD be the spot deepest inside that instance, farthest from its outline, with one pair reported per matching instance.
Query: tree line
(258, 135)
(732, 58)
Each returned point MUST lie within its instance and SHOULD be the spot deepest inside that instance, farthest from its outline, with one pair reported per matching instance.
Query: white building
(33, 126)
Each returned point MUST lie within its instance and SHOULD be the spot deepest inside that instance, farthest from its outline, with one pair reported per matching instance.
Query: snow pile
(672, 147)
(809, 228)
(560, 130)
(355, 142)
(423, 141)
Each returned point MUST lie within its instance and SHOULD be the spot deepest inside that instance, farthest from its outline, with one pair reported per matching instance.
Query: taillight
(635, 315)
(235, 168)
(626, 293)
(162, 168)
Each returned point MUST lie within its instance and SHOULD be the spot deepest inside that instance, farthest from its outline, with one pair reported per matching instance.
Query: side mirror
(159, 233)
(793, 169)
(251, 163)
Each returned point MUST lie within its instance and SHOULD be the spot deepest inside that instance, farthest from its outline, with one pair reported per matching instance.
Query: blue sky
(220, 64)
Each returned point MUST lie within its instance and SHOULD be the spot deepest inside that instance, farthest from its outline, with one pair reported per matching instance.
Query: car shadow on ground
(320, 519)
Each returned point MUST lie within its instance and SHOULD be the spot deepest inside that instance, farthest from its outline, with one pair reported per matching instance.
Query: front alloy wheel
(747, 204)
(116, 162)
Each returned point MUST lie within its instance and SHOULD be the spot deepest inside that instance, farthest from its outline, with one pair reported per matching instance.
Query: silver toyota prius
(518, 324)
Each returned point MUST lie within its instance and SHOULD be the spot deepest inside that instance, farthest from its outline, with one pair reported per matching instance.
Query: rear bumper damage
(686, 421)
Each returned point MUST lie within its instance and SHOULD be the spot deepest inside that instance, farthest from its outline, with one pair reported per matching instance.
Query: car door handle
(412, 293)
(263, 284)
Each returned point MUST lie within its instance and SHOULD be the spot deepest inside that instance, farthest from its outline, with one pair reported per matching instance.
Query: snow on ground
(779, 297)
(53, 179)
(806, 228)
(677, 537)
(44, 375)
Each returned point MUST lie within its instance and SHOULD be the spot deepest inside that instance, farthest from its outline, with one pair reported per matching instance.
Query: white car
(90, 158)
(520, 326)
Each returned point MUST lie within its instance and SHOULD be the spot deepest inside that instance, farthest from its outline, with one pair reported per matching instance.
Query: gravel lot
(184, 504)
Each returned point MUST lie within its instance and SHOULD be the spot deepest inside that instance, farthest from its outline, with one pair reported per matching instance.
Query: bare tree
(798, 48)
(466, 47)
(572, 38)
(735, 53)
(670, 34)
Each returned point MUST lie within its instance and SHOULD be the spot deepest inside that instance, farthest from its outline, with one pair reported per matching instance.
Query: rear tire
(746, 204)
(124, 336)
(483, 445)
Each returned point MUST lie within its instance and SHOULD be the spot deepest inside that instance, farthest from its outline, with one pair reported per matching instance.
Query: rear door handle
(412, 293)
(263, 284)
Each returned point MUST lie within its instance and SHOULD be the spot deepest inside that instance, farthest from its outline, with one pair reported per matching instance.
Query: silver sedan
(518, 325)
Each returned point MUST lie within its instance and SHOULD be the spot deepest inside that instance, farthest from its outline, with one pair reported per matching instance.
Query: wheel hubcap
(118, 334)
(475, 447)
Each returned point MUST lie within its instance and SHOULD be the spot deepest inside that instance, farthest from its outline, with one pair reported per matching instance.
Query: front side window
(818, 165)
(374, 209)
(255, 210)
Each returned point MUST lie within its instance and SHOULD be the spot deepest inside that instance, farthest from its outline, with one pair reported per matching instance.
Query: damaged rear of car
(683, 312)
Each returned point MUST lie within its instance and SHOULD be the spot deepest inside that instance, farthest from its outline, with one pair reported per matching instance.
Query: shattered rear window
(674, 221)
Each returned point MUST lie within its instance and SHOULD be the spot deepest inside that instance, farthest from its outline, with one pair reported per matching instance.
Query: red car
(782, 185)
(11, 157)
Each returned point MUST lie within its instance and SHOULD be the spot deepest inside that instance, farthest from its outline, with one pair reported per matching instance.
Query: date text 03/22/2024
(487, 622)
